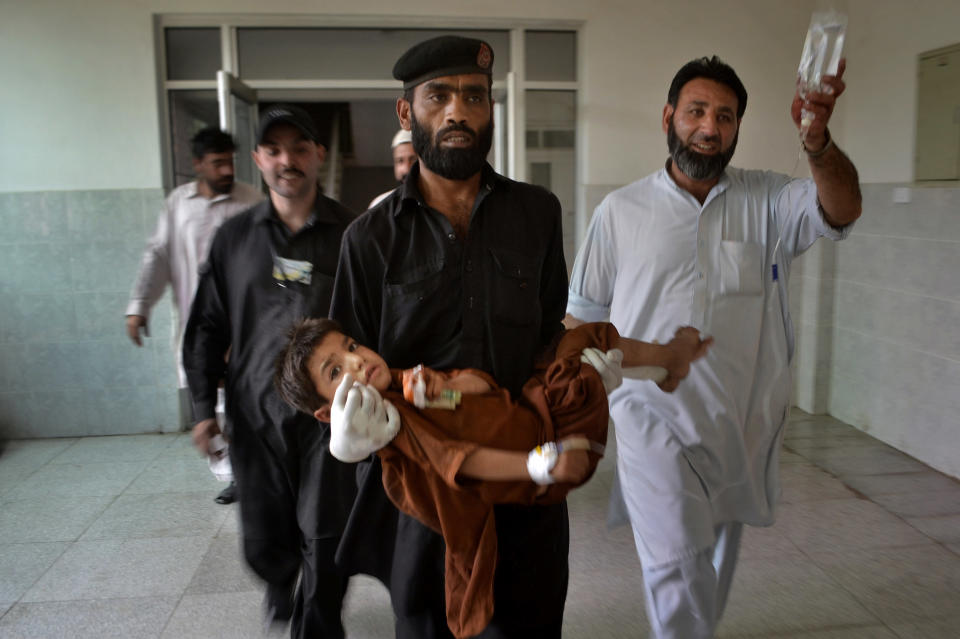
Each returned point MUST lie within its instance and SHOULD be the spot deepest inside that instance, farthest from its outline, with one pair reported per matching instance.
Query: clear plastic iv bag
(821, 54)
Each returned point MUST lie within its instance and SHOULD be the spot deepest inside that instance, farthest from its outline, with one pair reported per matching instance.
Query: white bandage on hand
(608, 365)
(541, 461)
(361, 422)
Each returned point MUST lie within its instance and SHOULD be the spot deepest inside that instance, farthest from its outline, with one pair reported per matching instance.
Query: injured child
(472, 445)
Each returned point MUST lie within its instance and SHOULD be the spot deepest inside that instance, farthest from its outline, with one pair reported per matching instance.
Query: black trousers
(293, 498)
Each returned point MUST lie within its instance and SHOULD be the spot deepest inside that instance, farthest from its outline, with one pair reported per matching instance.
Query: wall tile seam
(924, 185)
(104, 291)
(889, 438)
(906, 237)
(887, 340)
(45, 241)
(90, 391)
(118, 339)
(797, 321)
(138, 189)
(843, 280)
(810, 278)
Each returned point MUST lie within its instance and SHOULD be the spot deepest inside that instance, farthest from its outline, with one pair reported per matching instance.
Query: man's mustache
(454, 128)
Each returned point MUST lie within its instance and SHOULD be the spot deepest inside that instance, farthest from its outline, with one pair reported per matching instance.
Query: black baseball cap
(288, 114)
(443, 55)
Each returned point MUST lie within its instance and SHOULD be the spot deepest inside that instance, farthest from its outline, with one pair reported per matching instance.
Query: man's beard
(453, 164)
(694, 164)
(222, 186)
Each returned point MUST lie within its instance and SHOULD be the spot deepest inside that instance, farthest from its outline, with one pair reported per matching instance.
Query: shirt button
(452, 237)
(469, 266)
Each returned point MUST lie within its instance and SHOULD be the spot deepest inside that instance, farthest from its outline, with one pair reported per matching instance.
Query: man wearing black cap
(267, 267)
(458, 268)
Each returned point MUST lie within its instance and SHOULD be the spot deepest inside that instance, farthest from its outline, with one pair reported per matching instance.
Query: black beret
(443, 55)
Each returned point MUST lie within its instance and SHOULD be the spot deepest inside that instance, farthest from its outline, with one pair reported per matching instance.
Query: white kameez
(179, 245)
(655, 259)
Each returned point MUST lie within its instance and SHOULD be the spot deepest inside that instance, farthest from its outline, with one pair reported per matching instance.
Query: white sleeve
(154, 273)
(594, 270)
(800, 218)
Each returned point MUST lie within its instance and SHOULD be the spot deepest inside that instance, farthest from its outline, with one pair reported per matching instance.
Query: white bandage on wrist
(541, 461)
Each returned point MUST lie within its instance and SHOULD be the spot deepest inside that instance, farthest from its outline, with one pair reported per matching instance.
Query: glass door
(237, 104)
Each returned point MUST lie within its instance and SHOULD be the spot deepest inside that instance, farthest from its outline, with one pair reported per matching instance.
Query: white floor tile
(223, 569)
(898, 584)
(121, 568)
(944, 529)
(50, 519)
(77, 480)
(844, 524)
(137, 618)
(933, 629)
(91, 450)
(163, 515)
(790, 594)
(163, 557)
(237, 615)
(22, 564)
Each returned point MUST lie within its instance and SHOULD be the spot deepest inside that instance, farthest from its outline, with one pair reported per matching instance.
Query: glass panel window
(332, 54)
(192, 54)
(558, 139)
(551, 56)
(540, 174)
(552, 115)
(533, 139)
(190, 111)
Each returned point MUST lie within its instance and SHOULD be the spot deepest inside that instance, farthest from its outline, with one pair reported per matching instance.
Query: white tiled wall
(67, 262)
(889, 339)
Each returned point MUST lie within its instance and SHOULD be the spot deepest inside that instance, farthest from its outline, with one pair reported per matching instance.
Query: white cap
(402, 137)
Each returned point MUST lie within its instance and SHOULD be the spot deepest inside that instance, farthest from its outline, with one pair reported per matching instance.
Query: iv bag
(822, 49)
(821, 56)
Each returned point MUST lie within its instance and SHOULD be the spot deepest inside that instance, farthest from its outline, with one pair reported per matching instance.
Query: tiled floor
(119, 537)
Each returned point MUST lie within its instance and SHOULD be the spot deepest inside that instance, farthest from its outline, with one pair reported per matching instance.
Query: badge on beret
(484, 56)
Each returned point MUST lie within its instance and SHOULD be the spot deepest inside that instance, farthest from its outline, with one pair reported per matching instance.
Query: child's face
(337, 355)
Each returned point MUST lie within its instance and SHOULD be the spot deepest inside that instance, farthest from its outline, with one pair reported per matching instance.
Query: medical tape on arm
(543, 458)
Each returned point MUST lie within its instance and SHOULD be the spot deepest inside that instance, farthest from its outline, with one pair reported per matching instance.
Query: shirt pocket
(741, 268)
(515, 291)
(416, 282)
(407, 298)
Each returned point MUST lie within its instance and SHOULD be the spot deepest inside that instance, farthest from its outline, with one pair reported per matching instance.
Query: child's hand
(573, 464)
(467, 383)
(435, 383)
(685, 347)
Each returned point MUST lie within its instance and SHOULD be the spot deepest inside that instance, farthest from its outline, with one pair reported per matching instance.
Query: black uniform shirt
(251, 290)
(409, 288)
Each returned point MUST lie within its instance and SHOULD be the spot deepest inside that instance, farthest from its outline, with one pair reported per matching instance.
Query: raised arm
(838, 185)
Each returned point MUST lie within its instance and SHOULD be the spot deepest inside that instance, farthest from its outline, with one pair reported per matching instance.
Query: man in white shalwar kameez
(701, 244)
(191, 215)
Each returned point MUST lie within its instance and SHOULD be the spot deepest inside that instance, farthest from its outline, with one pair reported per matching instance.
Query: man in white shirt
(191, 215)
(701, 244)
(404, 158)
